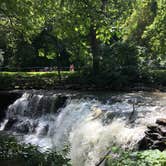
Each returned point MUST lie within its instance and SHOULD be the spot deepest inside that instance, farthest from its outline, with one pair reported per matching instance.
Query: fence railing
(34, 69)
(53, 68)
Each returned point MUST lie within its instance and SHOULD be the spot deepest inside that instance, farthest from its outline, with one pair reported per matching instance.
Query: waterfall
(90, 125)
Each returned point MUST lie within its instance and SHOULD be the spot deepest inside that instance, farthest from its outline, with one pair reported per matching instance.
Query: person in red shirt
(72, 67)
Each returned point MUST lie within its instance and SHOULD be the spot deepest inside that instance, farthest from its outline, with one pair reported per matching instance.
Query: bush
(119, 55)
(28, 155)
(120, 62)
(145, 158)
(159, 77)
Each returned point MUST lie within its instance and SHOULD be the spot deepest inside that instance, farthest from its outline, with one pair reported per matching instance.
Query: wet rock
(155, 136)
(157, 129)
(161, 145)
(60, 102)
(109, 116)
(145, 143)
(10, 123)
(42, 104)
(96, 112)
(44, 131)
(153, 128)
(23, 127)
(161, 121)
(34, 126)
(163, 131)
(7, 98)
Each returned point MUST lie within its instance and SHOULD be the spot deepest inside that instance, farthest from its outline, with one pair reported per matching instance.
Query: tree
(156, 32)
(146, 27)
(88, 23)
(142, 16)
(81, 24)
(20, 20)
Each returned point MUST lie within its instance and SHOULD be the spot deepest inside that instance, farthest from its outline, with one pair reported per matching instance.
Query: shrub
(144, 158)
(28, 155)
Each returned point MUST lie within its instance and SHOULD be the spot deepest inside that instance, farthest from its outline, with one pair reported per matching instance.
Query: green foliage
(156, 32)
(115, 40)
(158, 77)
(71, 22)
(119, 64)
(119, 55)
(21, 17)
(142, 16)
(28, 155)
(146, 27)
(120, 157)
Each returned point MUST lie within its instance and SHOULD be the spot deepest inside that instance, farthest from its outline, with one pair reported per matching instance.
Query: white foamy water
(3, 124)
(90, 134)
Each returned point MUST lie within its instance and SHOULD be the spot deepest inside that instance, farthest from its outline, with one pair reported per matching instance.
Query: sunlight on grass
(29, 80)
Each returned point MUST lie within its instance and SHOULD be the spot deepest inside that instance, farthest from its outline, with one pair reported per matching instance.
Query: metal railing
(54, 68)
(34, 69)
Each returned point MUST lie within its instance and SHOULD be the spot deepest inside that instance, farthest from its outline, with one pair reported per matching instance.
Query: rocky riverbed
(155, 136)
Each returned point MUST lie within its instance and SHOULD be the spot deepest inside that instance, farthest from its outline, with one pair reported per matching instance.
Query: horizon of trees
(100, 35)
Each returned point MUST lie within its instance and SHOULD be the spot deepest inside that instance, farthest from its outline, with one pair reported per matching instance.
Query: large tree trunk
(95, 50)
(94, 43)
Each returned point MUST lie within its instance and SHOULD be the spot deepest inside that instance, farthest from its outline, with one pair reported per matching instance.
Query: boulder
(153, 128)
(44, 131)
(161, 145)
(7, 98)
(96, 112)
(155, 136)
(145, 143)
(60, 102)
(24, 127)
(44, 105)
(161, 121)
(10, 123)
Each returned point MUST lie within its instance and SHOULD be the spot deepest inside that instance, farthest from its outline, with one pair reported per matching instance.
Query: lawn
(31, 80)
(50, 80)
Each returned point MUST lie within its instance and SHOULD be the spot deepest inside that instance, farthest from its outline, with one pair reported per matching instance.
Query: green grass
(31, 80)
(25, 74)
(50, 80)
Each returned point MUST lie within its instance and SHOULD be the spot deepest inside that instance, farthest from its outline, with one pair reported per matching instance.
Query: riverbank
(154, 80)
(31, 80)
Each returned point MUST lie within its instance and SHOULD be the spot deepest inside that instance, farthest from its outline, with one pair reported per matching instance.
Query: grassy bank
(31, 80)
(83, 80)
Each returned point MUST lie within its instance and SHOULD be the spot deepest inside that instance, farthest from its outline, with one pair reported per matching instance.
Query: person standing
(72, 67)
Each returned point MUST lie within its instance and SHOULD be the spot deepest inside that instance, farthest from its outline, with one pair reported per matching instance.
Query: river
(89, 123)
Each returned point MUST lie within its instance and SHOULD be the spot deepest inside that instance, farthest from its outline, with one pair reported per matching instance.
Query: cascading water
(88, 124)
